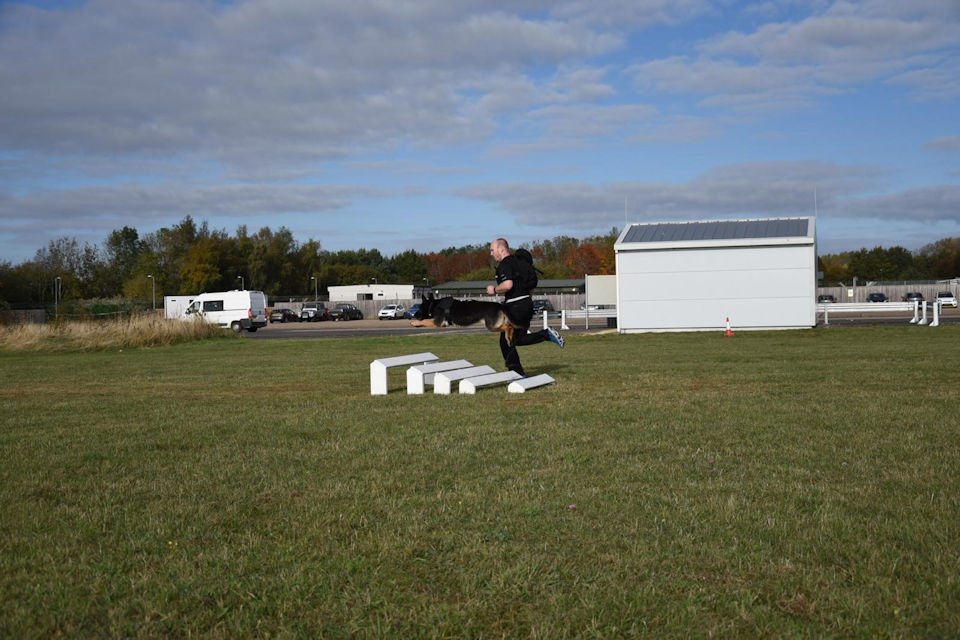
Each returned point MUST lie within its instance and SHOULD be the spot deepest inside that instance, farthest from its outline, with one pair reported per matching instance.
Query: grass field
(773, 484)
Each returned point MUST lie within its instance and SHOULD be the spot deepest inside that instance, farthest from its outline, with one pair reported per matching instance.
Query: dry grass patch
(135, 331)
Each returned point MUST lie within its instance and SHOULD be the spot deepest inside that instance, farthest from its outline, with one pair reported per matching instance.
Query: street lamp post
(314, 278)
(153, 284)
(240, 278)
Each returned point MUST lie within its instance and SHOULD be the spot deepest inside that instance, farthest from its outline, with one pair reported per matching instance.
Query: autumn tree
(200, 267)
(586, 259)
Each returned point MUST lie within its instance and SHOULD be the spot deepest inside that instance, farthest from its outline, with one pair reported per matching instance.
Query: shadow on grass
(549, 369)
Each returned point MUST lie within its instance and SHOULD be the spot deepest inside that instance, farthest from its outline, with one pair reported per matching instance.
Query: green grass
(798, 484)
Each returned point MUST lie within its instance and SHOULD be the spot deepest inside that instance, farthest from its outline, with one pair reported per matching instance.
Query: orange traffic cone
(728, 332)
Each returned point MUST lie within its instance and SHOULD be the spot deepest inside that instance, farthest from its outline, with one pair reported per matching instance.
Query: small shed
(693, 276)
(381, 292)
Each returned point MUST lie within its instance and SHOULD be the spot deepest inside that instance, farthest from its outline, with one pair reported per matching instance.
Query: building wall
(384, 293)
(698, 289)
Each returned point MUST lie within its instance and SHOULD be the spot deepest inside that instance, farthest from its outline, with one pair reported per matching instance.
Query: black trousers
(520, 314)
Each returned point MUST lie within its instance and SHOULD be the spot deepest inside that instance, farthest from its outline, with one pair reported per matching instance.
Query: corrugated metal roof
(718, 230)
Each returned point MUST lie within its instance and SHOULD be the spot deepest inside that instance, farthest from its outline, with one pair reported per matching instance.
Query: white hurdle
(443, 382)
(419, 376)
(378, 369)
(470, 385)
(521, 386)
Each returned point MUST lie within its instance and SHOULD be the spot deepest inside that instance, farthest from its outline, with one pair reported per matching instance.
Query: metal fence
(894, 291)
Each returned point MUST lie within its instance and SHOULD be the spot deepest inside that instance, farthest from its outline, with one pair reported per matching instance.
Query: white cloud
(285, 81)
(103, 206)
(787, 64)
(748, 189)
(932, 203)
(947, 143)
(632, 13)
(123, 111)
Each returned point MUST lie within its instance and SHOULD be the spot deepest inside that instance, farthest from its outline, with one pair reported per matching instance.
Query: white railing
(586, 314)
(826, 308)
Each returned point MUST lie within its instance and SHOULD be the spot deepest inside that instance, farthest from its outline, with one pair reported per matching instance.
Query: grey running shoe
(555, 337)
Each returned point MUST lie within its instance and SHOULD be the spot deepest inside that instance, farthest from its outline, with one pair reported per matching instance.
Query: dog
(443, 312)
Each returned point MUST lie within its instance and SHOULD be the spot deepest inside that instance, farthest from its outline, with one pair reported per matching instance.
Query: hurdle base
(419, 376)
(470, 385)
(521, 386)
(378, 369)
(443, 382)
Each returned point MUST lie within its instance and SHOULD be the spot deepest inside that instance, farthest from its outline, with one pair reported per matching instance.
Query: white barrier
(586, 314)
(419, 376)
(867, 307)
(521, 386)
(442, 382)
(470, 385)
(378, 369)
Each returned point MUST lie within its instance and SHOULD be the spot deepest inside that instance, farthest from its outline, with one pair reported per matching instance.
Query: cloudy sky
(423, 124)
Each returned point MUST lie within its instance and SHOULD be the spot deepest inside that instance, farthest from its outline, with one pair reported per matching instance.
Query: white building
(692, 276)
(378, 292)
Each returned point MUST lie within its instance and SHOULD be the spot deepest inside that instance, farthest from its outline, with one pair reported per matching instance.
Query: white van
(235, 309)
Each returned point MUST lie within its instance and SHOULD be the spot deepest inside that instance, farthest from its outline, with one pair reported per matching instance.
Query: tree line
(190, 258)
(939, 260)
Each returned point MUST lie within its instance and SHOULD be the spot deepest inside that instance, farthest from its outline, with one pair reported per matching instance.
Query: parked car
(283, 315)
(947, 299)
(412, 311)
(314, 312)
(539, 306)
(589, 307)
(826, 298)
(877, 297)
(392, 312)
(345, 311)
(913, 296)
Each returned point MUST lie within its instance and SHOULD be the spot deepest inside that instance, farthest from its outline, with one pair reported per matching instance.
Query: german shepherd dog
(443, 312)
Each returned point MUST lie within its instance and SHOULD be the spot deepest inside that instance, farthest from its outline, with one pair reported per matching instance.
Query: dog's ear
(426, 308)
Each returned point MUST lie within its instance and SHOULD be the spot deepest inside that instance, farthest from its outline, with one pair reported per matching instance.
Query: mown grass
(145, 330)
(781, 484)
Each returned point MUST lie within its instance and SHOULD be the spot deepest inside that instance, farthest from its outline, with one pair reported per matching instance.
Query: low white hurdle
(378, 369)
(443, 382)
(586, 314)
(863, 307)
(471, 384)
(419, 376)
(521, 386)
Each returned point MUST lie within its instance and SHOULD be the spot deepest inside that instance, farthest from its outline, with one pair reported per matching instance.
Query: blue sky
(423, 125)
